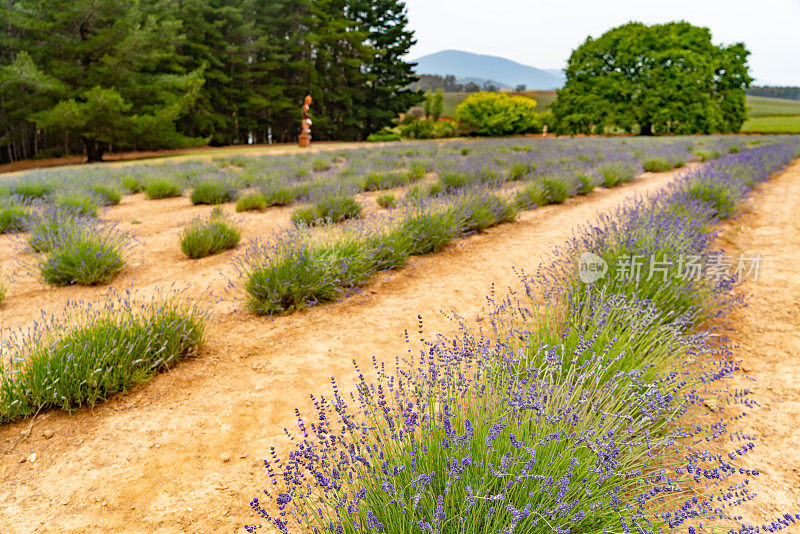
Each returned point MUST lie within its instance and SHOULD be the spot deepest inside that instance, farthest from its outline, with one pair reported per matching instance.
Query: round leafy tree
(665, 78)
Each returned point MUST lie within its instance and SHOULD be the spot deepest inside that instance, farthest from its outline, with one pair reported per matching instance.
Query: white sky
(542, 33)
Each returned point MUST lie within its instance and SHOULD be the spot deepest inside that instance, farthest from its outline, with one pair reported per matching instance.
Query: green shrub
(434, 189)
(297, 270)
(706, 155)
(208, 236)
(3, 291)
(213, 192)
(464, 151)
(520, 170)
(616, 173)
(77, 202)
(497, 114)
(417, 171)
(13, 218)
(131, 183)
(320, 165)
(47, 228)
(631, 333)
(476, 212)
(418, 193)
(657, 164)
(429, 231)
(295, 274)
(281, 194)
(427, 129)
(532, 196)
(586, 183)
(109, 194)
(253, 201)
(734, 149)
(556, 190)
(305, 215)
(376, 181)
(162, 187)
(388, 251)
(720, 196)
(338, 208)
(93, 353)
(453, 180)
(386, 200)
(32, 189)
(85, 256)
(288, 283)
(386, 134)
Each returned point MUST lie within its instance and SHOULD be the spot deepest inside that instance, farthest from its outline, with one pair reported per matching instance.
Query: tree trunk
(94, 150)
(646, 129)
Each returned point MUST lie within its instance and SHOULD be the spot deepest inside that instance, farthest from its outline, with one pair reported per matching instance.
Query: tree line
(98, 75)
(449, 84)
(787, 92)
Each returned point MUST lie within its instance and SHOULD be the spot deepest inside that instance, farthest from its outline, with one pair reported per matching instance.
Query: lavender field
(573, 406)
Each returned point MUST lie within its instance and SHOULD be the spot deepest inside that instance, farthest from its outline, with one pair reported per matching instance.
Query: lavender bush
(77, 250)
(14, 216)
(94, 351)
(206, 236)
(77, 201)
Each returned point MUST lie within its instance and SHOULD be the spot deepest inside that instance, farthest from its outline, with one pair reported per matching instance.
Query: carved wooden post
(305, 128)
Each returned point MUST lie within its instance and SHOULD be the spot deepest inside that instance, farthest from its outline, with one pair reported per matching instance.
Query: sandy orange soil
(183, 452)
(766, 334)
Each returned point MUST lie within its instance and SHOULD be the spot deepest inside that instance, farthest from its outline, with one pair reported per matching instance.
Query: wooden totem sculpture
(305, 129)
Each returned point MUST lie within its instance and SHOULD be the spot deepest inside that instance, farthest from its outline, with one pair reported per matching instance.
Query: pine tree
(387, 93)
(115, 61)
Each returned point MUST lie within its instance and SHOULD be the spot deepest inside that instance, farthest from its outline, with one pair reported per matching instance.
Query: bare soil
(767, 335)
(183, 452)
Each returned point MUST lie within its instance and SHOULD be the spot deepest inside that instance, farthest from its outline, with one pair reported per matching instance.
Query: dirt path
(183, 453)
(767, 333)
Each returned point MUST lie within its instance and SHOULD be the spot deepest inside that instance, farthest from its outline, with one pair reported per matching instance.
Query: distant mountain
(507, 73)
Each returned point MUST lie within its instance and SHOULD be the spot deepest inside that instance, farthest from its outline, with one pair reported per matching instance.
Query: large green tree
(116, 66)
(665, 78)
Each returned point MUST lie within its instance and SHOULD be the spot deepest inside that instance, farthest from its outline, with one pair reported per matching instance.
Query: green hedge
(498, 114)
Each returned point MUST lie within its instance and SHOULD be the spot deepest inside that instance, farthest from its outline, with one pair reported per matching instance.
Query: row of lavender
(297, 268)
(309, 178)
(582, 408)
(58, 210)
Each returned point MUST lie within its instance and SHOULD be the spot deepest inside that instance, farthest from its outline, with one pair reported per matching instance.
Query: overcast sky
(542, 33)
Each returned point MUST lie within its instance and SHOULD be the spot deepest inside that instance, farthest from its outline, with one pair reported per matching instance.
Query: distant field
(452, 100)
(767, 115)
(772, 115)
(761, 106)
(777, 124)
